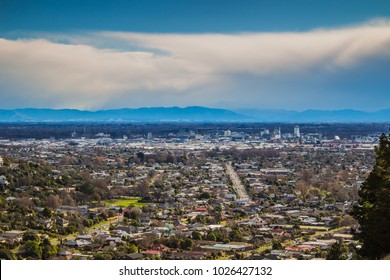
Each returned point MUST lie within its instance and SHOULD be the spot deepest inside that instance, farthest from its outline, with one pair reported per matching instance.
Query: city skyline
(256, 55)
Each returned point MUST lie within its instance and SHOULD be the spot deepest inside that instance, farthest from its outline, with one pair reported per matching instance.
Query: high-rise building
(227, 133)
(297, 132)
(278, 133)
(150, 136)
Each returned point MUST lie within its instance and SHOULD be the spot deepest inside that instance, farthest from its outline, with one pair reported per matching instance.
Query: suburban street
(237, 184)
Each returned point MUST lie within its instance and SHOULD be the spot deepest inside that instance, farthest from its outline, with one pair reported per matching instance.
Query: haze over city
(221, 54)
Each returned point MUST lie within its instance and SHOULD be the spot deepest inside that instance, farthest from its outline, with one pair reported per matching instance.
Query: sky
(270, 54)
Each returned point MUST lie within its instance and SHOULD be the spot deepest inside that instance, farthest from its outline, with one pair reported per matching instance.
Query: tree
(6, 161)
(53, 201)
(46, 212)
(132, 248)
(30, 236)
(205, 195)
(87, 188)
(276, 245)
(196, 235)
(48, 250)
(302, 187)
(235, 235)
(373, 208)
(135, 223)
(6, 254)
(338, 251)
(135, 213)
(141, 156)
(212, 237)
(186, 244)
(32, 250)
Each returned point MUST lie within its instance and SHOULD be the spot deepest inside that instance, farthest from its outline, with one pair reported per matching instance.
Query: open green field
(320, 228)
(125, 202)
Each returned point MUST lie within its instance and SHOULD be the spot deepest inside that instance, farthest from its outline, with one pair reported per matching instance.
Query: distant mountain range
(323, 116)
(191, 114)
(154, 114)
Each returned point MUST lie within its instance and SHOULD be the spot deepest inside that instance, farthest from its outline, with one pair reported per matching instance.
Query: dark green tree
(338, 251)
(276, 245)
(29, 235)
(373, 208)
(205, 195)
(6, 254)
(47, 212)
(141, 156)
(87, 188)
(186, 244)
(212, 237)
(196, 235)
(235, 235)
(31, 250)
(48, 250)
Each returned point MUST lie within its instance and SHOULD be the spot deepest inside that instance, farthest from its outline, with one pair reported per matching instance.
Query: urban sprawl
(272, 194)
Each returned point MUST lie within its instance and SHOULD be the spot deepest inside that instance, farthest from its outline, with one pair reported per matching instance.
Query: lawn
(125, 202)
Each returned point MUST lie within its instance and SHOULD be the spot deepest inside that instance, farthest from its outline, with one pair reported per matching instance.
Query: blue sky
(192, 16)
(95, 54)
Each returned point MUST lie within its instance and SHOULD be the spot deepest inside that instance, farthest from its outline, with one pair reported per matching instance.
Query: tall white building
(297, 132)
(1, 161)
(227, 133)
(278, 133)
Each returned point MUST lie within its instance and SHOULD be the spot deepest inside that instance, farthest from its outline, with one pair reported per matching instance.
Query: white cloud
(268, 53)
(81, 74)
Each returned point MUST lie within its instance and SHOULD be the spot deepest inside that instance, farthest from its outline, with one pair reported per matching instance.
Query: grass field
(125, 202)
(321, 228)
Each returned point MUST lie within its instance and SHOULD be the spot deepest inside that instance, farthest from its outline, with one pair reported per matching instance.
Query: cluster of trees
(217, 235)
(167, 157)
(119, 253)
(176, 243)
(32, 247)
(373, 208)
(242, 155)
(28, 173)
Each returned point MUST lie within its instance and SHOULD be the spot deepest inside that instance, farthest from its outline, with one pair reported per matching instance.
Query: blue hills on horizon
(191, 114)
